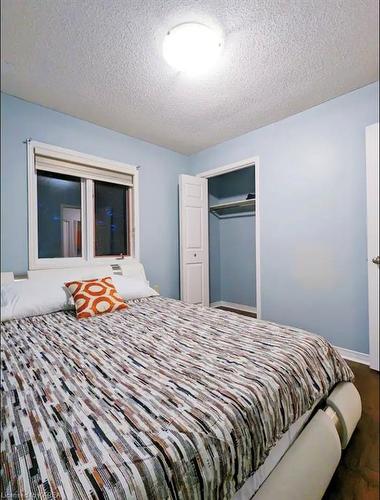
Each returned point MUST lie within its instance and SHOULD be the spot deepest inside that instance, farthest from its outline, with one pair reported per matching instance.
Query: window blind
(67, 164)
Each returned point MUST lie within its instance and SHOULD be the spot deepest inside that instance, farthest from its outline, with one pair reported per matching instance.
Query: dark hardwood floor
(357, 476)
(243, 313)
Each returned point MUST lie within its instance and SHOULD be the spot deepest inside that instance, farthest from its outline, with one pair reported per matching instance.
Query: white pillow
(21, 299)
(25, 298)
(132, 288)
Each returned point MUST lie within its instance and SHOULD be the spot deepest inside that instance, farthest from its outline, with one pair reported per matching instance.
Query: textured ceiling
(101, 60)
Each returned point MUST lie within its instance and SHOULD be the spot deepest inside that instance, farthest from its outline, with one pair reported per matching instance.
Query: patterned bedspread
(162, 401)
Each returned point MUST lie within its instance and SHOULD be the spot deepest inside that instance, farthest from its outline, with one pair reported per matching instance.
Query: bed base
(306, 469)
(127, 266)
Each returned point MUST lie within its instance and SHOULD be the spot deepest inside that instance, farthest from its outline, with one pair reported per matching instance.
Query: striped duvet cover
(162, 401)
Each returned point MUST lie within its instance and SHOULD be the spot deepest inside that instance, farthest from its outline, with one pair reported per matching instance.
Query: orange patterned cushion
(93, 297)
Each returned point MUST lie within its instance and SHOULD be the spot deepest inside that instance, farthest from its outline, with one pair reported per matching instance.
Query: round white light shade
(192, 48)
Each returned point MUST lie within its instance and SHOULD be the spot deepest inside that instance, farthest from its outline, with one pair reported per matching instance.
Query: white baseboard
(359, 357)
(233, 305)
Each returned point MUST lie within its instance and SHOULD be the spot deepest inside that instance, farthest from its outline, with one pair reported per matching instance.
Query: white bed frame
(127, 266)
(307, 467)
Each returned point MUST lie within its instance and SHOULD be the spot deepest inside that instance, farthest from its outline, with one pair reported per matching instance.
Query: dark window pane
(59, 215)
(111, 219)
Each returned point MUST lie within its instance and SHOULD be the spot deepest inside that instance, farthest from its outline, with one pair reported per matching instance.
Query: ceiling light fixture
(192, 48)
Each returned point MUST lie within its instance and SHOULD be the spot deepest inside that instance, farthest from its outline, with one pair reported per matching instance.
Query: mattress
(253, 483)
(164, 400)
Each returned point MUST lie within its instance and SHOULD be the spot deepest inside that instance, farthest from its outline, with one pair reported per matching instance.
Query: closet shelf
(233, 207)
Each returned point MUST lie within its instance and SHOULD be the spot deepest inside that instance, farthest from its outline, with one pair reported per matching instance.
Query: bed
(168, 400)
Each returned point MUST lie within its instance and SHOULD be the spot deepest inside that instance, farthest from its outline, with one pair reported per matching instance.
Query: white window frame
(87, 211)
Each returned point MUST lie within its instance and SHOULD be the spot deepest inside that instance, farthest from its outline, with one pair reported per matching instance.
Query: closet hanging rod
(235, 215)
(233, 204)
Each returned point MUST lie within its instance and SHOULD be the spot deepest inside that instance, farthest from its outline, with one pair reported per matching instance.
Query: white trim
(181, 236)
(238, 165)
(233, 305)
(258, 235)
(359, 357)
(224, 169)
(373, 236)
(135, 239)
(87, 211)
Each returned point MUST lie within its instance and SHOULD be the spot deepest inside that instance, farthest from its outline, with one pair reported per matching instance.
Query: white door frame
(231, 167)
(372, 171)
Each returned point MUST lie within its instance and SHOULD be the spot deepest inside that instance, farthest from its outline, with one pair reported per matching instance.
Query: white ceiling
(101, 60)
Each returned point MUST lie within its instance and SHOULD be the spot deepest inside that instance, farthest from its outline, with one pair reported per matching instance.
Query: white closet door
(372, 160)
(193, 206)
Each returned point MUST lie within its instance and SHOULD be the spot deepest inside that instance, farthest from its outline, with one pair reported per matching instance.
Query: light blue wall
(232, 241)
(312, 187)
(313, 220)
(214, 258)
(238, 260)
(158, 184)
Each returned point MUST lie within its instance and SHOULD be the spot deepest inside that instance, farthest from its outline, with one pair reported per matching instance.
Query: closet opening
(232, 240)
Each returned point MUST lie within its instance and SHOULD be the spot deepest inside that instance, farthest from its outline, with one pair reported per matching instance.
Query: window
(59, 203)
(82, 209)
(111, 219)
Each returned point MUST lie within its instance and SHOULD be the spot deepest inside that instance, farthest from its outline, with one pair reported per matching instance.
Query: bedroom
(217, 163)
